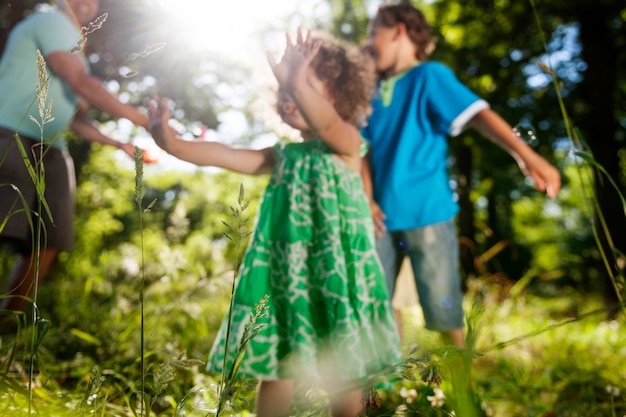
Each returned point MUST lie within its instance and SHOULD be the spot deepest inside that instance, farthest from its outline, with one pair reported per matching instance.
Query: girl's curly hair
(348, 75)
(417, 26)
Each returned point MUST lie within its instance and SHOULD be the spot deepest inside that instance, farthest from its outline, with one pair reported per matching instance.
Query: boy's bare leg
(398, 314)
(460, 373)
(454, 337)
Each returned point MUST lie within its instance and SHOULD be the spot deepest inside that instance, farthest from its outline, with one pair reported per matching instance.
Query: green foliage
(540, 351)
(534, 372)
(349, 19)
(93, 298)
(89, 357)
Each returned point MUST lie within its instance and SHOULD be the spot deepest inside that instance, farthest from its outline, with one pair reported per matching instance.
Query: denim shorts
(434, 254)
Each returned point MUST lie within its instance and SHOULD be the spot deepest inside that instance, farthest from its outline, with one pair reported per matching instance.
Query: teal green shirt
(47, 31)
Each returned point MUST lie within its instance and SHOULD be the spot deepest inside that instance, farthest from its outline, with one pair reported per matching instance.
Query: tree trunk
(467, 239)
(600, 126)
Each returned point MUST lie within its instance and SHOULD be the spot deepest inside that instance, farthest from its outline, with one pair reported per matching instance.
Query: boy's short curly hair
(348, 76)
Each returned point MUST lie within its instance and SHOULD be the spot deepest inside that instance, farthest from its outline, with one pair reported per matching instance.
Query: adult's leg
(59, 194)
(274, 398)
(22, 278)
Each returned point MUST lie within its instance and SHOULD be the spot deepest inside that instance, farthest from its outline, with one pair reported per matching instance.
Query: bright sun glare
(241, 30)
(228, 27)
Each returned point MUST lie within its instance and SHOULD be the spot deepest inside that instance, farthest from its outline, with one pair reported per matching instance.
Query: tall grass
(37, 175)
(237, 235)
(584, 154)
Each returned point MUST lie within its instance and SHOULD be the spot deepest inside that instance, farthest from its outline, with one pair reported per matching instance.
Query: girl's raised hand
(295, 60)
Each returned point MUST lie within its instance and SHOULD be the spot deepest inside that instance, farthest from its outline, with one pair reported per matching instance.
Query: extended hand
(295, 60)
(544, 175)
(129, 149)
(159, 114)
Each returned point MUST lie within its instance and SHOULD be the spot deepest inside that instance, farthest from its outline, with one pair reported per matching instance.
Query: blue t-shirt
(48, 31)
(413, 114)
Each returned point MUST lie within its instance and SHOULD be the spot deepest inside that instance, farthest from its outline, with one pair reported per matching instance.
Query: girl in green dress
(312, 252)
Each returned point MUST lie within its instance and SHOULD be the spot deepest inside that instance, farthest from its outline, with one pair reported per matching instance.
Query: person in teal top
(313, 249)
(55, 33)
(46, 32)
(420, 105)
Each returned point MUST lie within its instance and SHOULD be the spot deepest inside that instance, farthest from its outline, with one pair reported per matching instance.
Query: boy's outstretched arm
(245, 161)
(545, 176)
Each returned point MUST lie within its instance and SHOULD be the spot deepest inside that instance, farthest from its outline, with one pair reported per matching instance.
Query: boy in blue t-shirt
(418, 106)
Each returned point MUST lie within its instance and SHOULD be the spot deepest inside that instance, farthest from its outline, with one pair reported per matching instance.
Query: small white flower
(438, 399)
(408, 394)
(613, 390)
(411, 395)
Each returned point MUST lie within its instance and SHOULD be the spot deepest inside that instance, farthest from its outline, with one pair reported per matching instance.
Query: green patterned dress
(313, 253)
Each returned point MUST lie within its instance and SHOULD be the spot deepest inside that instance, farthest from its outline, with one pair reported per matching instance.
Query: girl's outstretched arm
(245, 161)
(317, 109)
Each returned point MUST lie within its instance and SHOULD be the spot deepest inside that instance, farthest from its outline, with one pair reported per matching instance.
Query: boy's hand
(544, 175)
(379, 219)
